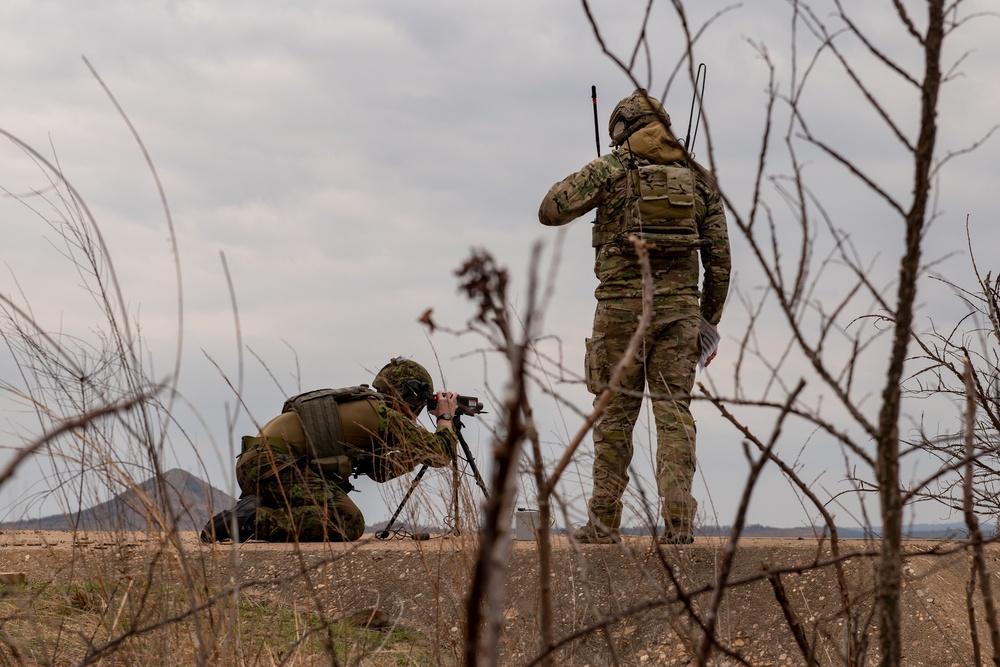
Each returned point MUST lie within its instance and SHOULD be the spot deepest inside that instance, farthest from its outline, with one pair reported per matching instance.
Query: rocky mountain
(178, 498)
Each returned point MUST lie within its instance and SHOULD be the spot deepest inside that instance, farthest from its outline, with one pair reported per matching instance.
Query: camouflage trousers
(666, 362)
(296, 502)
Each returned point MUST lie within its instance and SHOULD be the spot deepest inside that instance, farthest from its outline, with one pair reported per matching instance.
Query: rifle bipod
(385, 532)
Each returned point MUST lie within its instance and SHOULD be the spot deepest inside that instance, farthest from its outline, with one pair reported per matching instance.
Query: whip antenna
(597, 131)
(696, 96)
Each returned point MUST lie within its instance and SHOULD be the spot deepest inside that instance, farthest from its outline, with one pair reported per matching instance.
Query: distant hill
(189, 502)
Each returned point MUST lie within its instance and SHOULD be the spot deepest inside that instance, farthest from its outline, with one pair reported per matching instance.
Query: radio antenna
(597, 131)
(696, 96)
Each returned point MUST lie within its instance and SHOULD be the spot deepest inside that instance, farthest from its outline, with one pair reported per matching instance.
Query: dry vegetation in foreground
(125, 600)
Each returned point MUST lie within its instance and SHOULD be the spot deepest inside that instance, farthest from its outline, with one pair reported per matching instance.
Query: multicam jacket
(647, 188)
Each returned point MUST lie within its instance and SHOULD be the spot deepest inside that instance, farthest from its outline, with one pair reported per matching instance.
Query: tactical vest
(319, 411)
(661, 210)
(332, 431)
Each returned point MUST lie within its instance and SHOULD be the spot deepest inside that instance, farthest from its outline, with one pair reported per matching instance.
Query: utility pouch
(338, 468)
(259, 461)
(596, 364)
(664, 214)
(664, 192)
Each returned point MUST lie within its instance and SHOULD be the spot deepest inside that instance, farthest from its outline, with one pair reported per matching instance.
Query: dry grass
(132, 604)
(309, 604)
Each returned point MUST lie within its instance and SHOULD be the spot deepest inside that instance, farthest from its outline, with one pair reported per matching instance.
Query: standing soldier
(649, 187)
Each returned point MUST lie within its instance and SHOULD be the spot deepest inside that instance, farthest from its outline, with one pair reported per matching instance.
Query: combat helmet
(635, 111)
(407, 380)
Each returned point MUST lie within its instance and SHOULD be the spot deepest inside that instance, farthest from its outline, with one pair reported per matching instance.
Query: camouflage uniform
(297, 499)
(670, 350)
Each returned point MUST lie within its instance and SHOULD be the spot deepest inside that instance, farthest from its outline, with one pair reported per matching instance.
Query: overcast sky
(344, 157)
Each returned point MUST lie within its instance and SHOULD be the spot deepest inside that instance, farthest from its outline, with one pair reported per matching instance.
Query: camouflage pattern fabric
(404, 445)
(633, 112)
(397, 371)
(669, 355)
(602, 184)
(666, 360)
(297, 502)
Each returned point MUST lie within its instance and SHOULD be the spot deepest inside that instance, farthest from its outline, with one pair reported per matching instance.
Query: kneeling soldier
(294, 475)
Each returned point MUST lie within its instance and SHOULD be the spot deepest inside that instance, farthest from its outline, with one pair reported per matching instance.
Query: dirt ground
(421, 586)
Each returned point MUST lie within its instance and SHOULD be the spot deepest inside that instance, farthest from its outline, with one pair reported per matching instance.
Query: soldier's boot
(595, 533)
(678, 531)
(219, 526)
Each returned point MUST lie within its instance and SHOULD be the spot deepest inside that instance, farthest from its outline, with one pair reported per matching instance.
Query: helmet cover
(635, 111)
(407, 380)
